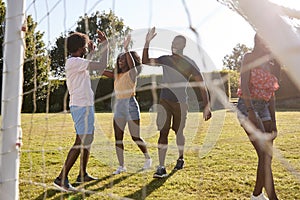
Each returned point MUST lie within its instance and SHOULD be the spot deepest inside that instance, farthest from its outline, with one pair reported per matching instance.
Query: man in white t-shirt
(81, 103)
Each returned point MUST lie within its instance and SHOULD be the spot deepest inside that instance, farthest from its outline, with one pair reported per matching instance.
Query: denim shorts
(260, 108)
(127, 109)
(83, 118)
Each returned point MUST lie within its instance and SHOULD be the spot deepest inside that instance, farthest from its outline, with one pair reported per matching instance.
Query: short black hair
(75, 41)
(181, 37)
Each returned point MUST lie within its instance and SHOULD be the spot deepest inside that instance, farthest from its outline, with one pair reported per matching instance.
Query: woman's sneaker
(259, 197)
(64, 186)
(120, 170)
(160, 172)
(85, 178)
(147, 164)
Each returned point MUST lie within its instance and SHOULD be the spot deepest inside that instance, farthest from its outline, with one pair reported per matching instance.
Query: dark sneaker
(160, 172)
(179, 165)
(63, 186)
(85, 178)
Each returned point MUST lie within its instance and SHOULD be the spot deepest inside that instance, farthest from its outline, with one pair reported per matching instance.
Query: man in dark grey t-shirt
(177, 71)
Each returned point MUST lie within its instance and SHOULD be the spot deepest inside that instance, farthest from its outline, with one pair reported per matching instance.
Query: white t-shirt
(78, 82)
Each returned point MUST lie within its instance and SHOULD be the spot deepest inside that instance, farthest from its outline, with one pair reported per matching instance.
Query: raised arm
(129, 59)
(146, 60)
(102, 64)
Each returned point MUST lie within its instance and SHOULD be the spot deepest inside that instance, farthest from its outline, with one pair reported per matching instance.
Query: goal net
(33, 152)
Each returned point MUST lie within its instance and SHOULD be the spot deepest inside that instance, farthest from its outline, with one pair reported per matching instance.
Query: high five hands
(101, 36)
(150, 35)
(127, 41)
(101, 39)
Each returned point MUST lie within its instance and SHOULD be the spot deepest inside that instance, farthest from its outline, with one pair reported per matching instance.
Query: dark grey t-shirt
(177, 70)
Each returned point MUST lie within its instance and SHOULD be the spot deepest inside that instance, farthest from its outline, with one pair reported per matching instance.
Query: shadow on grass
(150, 187)
(82, 193)
(52, 192)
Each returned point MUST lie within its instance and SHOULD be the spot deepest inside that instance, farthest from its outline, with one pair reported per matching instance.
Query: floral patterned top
(262, 84)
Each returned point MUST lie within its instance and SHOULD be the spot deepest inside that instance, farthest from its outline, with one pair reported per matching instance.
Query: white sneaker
(147, 164)
(120, 170)
(259, 197)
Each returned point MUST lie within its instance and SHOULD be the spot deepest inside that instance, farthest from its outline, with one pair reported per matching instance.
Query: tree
(233, 60)
(35, 69)
(2, 20)
(109, 23)
(57, 56)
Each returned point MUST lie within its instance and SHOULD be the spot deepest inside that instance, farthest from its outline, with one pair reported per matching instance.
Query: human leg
(119, 126)
(179, 119)
(71, 158)
(260, 171)
(133, 119)
(268, 153)
(86, 141)
(254, 130)
(269, 181)
(164, 116)
(62, 181)
(264, 176)
(134, 129)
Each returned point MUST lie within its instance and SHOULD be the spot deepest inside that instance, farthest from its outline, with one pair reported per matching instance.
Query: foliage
(233, 60)
(109, 23)
(233, 77)
(57, 56)
(36, 64)
(36, 67)
(2, 21)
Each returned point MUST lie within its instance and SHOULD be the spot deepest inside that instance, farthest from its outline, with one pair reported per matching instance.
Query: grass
(220, 161)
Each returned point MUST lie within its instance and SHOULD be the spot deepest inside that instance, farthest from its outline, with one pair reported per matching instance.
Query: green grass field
(220, 161)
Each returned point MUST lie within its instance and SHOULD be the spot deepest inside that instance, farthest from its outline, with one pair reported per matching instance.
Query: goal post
(12, 99)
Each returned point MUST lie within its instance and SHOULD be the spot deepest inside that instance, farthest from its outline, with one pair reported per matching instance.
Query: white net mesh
(48, 136)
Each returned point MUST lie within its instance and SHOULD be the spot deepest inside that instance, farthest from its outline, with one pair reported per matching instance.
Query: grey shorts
(261, 108)
(174, 112)
(127, 109)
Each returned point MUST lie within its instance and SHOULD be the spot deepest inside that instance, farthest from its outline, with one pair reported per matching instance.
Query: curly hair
(137, 61)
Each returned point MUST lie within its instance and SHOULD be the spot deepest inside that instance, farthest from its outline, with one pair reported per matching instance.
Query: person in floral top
(256, 111)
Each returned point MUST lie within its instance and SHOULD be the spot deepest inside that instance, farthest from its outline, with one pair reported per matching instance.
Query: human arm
(205, 97)
(272, 113)
(129, 58)
(133, 72)
(108, 73)
(146, 60)
(246, 66)
(102, 64)
(276, 71)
